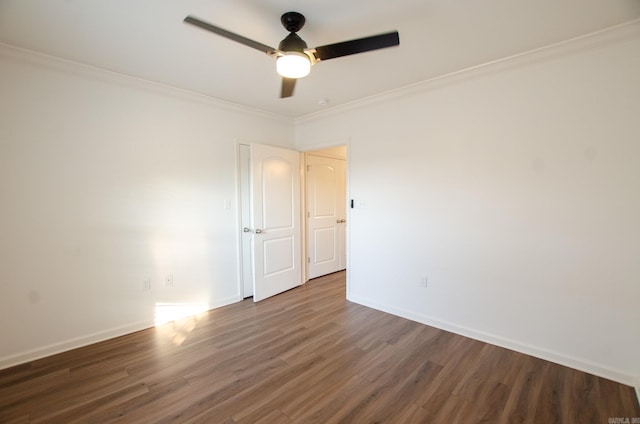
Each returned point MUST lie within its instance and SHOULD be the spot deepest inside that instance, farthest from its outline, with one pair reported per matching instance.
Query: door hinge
(308, 260)
(308, 168)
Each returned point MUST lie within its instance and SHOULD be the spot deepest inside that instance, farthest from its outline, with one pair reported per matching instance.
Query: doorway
(326, 211)
(287, 215)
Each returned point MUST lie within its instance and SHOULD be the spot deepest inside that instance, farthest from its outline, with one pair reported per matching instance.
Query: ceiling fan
(293, 57)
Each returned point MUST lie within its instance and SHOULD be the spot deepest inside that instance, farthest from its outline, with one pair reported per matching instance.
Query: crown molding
(569, 46)
(71, 67)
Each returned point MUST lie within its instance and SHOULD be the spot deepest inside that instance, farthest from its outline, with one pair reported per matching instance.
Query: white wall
(105, 182)
(515, 187)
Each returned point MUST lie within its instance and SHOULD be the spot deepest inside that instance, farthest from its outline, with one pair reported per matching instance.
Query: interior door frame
(309, 150)
(245, 261)
(318, 162)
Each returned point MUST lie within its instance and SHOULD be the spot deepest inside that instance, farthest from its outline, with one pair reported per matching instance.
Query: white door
(326, 215)
(275, 220)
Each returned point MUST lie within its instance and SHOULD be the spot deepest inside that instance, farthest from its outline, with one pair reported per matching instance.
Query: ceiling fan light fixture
(293, 65)
(293, 58)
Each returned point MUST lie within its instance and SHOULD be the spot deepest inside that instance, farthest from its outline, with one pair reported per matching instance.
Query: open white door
(275, 218)
(326, 215)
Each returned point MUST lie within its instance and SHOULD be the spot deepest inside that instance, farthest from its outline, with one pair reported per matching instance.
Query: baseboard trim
(55, 348)
(548, 355)
(100, 336)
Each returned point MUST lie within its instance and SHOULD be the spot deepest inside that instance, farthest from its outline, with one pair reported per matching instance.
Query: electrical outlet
(169, 280)
(146, 284)
(424, 281)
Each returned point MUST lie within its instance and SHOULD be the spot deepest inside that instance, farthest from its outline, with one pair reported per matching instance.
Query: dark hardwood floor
(305, 356)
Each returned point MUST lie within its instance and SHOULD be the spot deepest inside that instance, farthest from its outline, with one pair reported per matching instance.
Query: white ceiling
(147, 39)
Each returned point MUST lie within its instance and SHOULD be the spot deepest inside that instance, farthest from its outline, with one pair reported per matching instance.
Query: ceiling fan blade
(361, 45)
(230, 35)
(288, 84)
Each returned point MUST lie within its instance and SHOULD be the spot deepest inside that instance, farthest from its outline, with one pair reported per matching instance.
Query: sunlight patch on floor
(176, 320)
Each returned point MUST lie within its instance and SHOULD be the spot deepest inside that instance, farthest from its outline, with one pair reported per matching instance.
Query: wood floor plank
(462, 356)
(413, 413)
(400, 393)
(274, 417)
(521, 406)
(77, 393)
(22, 395)
(346, 400)
(303, 396)
(304, 356)
(551, 406)
(22, 419)
(84, 412)
(268, 389)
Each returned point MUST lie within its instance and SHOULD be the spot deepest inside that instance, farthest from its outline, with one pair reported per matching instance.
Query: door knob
(341, 221)
(258, 231)
(246, 230)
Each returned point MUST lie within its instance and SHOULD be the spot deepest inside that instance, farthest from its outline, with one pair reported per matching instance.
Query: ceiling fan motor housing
(293, 22)
(292, 43)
